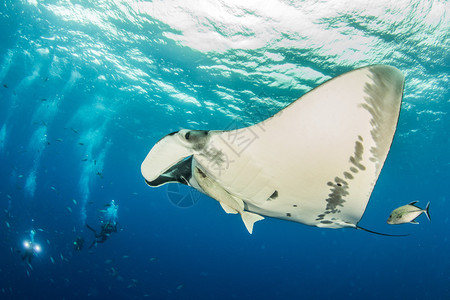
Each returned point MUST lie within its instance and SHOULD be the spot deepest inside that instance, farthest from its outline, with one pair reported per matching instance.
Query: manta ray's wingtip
(390, 76)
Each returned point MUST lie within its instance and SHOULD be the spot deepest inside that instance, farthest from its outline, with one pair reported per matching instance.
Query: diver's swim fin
(92, 245)
(90, 228)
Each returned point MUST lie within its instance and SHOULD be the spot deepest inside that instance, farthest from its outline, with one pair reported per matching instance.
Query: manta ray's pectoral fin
(227, 209)
(250, 219)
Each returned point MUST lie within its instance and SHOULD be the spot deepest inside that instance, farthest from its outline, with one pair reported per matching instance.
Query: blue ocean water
(89, 86)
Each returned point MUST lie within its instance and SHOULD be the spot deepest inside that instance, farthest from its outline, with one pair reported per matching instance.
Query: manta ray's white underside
(315, 162)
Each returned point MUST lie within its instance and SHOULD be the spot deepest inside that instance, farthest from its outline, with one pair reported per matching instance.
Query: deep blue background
(87, 87)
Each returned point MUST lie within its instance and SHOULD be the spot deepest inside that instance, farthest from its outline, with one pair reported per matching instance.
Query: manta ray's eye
(187, 135)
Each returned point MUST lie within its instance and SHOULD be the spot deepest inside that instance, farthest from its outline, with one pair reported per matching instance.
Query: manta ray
(314, 162)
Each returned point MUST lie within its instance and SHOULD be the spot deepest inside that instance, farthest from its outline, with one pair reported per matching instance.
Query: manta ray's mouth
(178, 173)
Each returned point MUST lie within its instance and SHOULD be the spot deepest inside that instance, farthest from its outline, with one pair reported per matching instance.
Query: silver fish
(407, 214)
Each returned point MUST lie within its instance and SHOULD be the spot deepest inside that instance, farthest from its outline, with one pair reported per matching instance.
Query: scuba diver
(109, 224)
(31, 248)
(106, 230)
(78, 243)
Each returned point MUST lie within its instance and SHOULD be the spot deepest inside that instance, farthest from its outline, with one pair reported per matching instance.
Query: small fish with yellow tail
(408, 214)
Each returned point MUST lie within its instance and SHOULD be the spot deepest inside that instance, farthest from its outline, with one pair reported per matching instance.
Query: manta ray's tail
(379, 233)
(250, 219)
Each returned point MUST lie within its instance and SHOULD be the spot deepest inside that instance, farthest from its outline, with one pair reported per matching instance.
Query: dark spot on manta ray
(339, 188)
(340, 181)
(356, 159)
(357, 164)
(348, 175)
(336, 198)
(273, 196)
(295, 205)
(326, 222)
(288, 214)
(320, 217)
(359, 148)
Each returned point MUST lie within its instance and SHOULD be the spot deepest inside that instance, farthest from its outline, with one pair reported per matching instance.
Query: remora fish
(407, 214)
